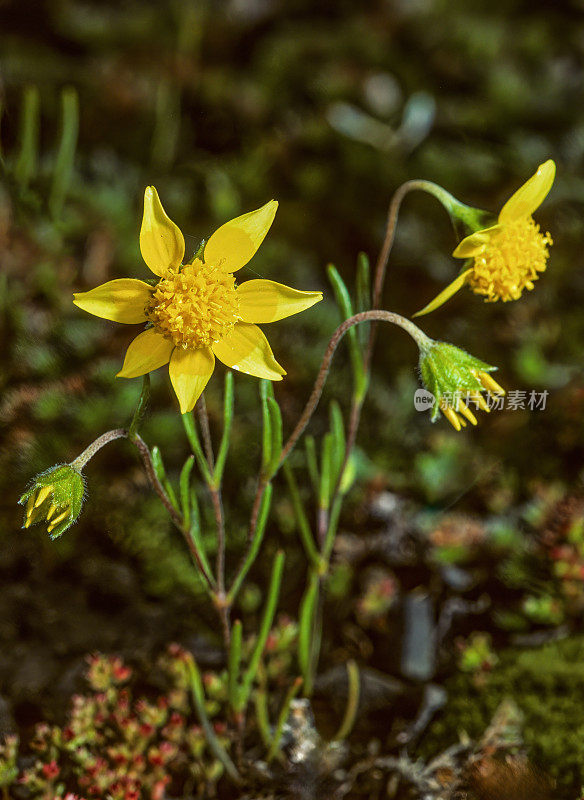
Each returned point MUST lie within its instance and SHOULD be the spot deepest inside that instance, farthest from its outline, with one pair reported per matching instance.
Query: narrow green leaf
(337, 429)
(326, 471)
(346, 308)
(27, 160)
(66, 152)
(277, 436)
(312, 462)
(197, 450)
(266, 428)
(195, 531)
(234, 662)
(260, 698)
(283, 717)
(301, 518)
(363, 295)
(195, 515)
(214, 744)
(266, 624)
(306, 627)
(227, 421)
(331, 530)
(158, 465)
(256, 543)
(353, 691)
(185, 494)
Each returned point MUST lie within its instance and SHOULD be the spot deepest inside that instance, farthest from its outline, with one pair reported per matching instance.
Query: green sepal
(446, 369)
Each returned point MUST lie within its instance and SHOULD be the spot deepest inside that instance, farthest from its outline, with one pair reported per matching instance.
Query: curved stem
(95, 447)
(454, 207)
(449, 202)
(376, 315)
(390, 227)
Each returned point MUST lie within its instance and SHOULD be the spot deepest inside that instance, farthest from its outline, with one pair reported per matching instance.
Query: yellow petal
(445, 294)
(247, 350)
(42, 495)
(161, 243)
(190, 371)
(233, 244)
(490, 383)
(451, 416)
(463, 409)
(530, 196)
(473, 244)
(59, 519)
(268, 301)
(146, 352)
(122, 300)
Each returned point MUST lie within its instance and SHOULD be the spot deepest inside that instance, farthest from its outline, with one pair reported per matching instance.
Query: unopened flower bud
(55, 497)
(456, 378)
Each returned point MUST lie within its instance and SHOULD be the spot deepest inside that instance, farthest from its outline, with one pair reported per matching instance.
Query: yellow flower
(508, 256)
(196, 312)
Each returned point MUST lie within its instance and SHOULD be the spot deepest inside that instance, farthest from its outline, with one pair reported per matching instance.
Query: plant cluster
(121, 744)
(195, 313)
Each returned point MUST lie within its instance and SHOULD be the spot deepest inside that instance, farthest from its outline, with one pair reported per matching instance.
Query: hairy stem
(95, 447)
(375, 315)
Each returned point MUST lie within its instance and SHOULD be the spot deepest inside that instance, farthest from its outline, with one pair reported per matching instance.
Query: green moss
(547, 684)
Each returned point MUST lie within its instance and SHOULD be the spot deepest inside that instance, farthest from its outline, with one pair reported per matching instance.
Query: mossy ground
(547, 684)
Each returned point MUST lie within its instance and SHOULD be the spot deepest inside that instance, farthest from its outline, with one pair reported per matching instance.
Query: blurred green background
(327, 107)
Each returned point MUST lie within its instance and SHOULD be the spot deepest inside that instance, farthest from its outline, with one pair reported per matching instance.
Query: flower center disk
(196, 306)
(511, 261)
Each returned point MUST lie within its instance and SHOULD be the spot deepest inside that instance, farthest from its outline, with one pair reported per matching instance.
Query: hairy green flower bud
(453, 377)
(55, 496)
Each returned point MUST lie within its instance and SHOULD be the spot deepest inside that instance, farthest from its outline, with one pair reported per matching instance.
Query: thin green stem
(234, 663)
(301, 518)
(254, 545)
(214, 744)
(141, 407)
(353, 692)
(266, 624)
(193, 438)
(282, 718)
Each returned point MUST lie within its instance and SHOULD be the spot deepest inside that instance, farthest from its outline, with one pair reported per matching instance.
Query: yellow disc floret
(196, 306)
(511, 261)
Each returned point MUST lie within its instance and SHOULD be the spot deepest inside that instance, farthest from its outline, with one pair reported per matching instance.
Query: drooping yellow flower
(453, 376)
(56, 497)
(510, 255)
(196, 312)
